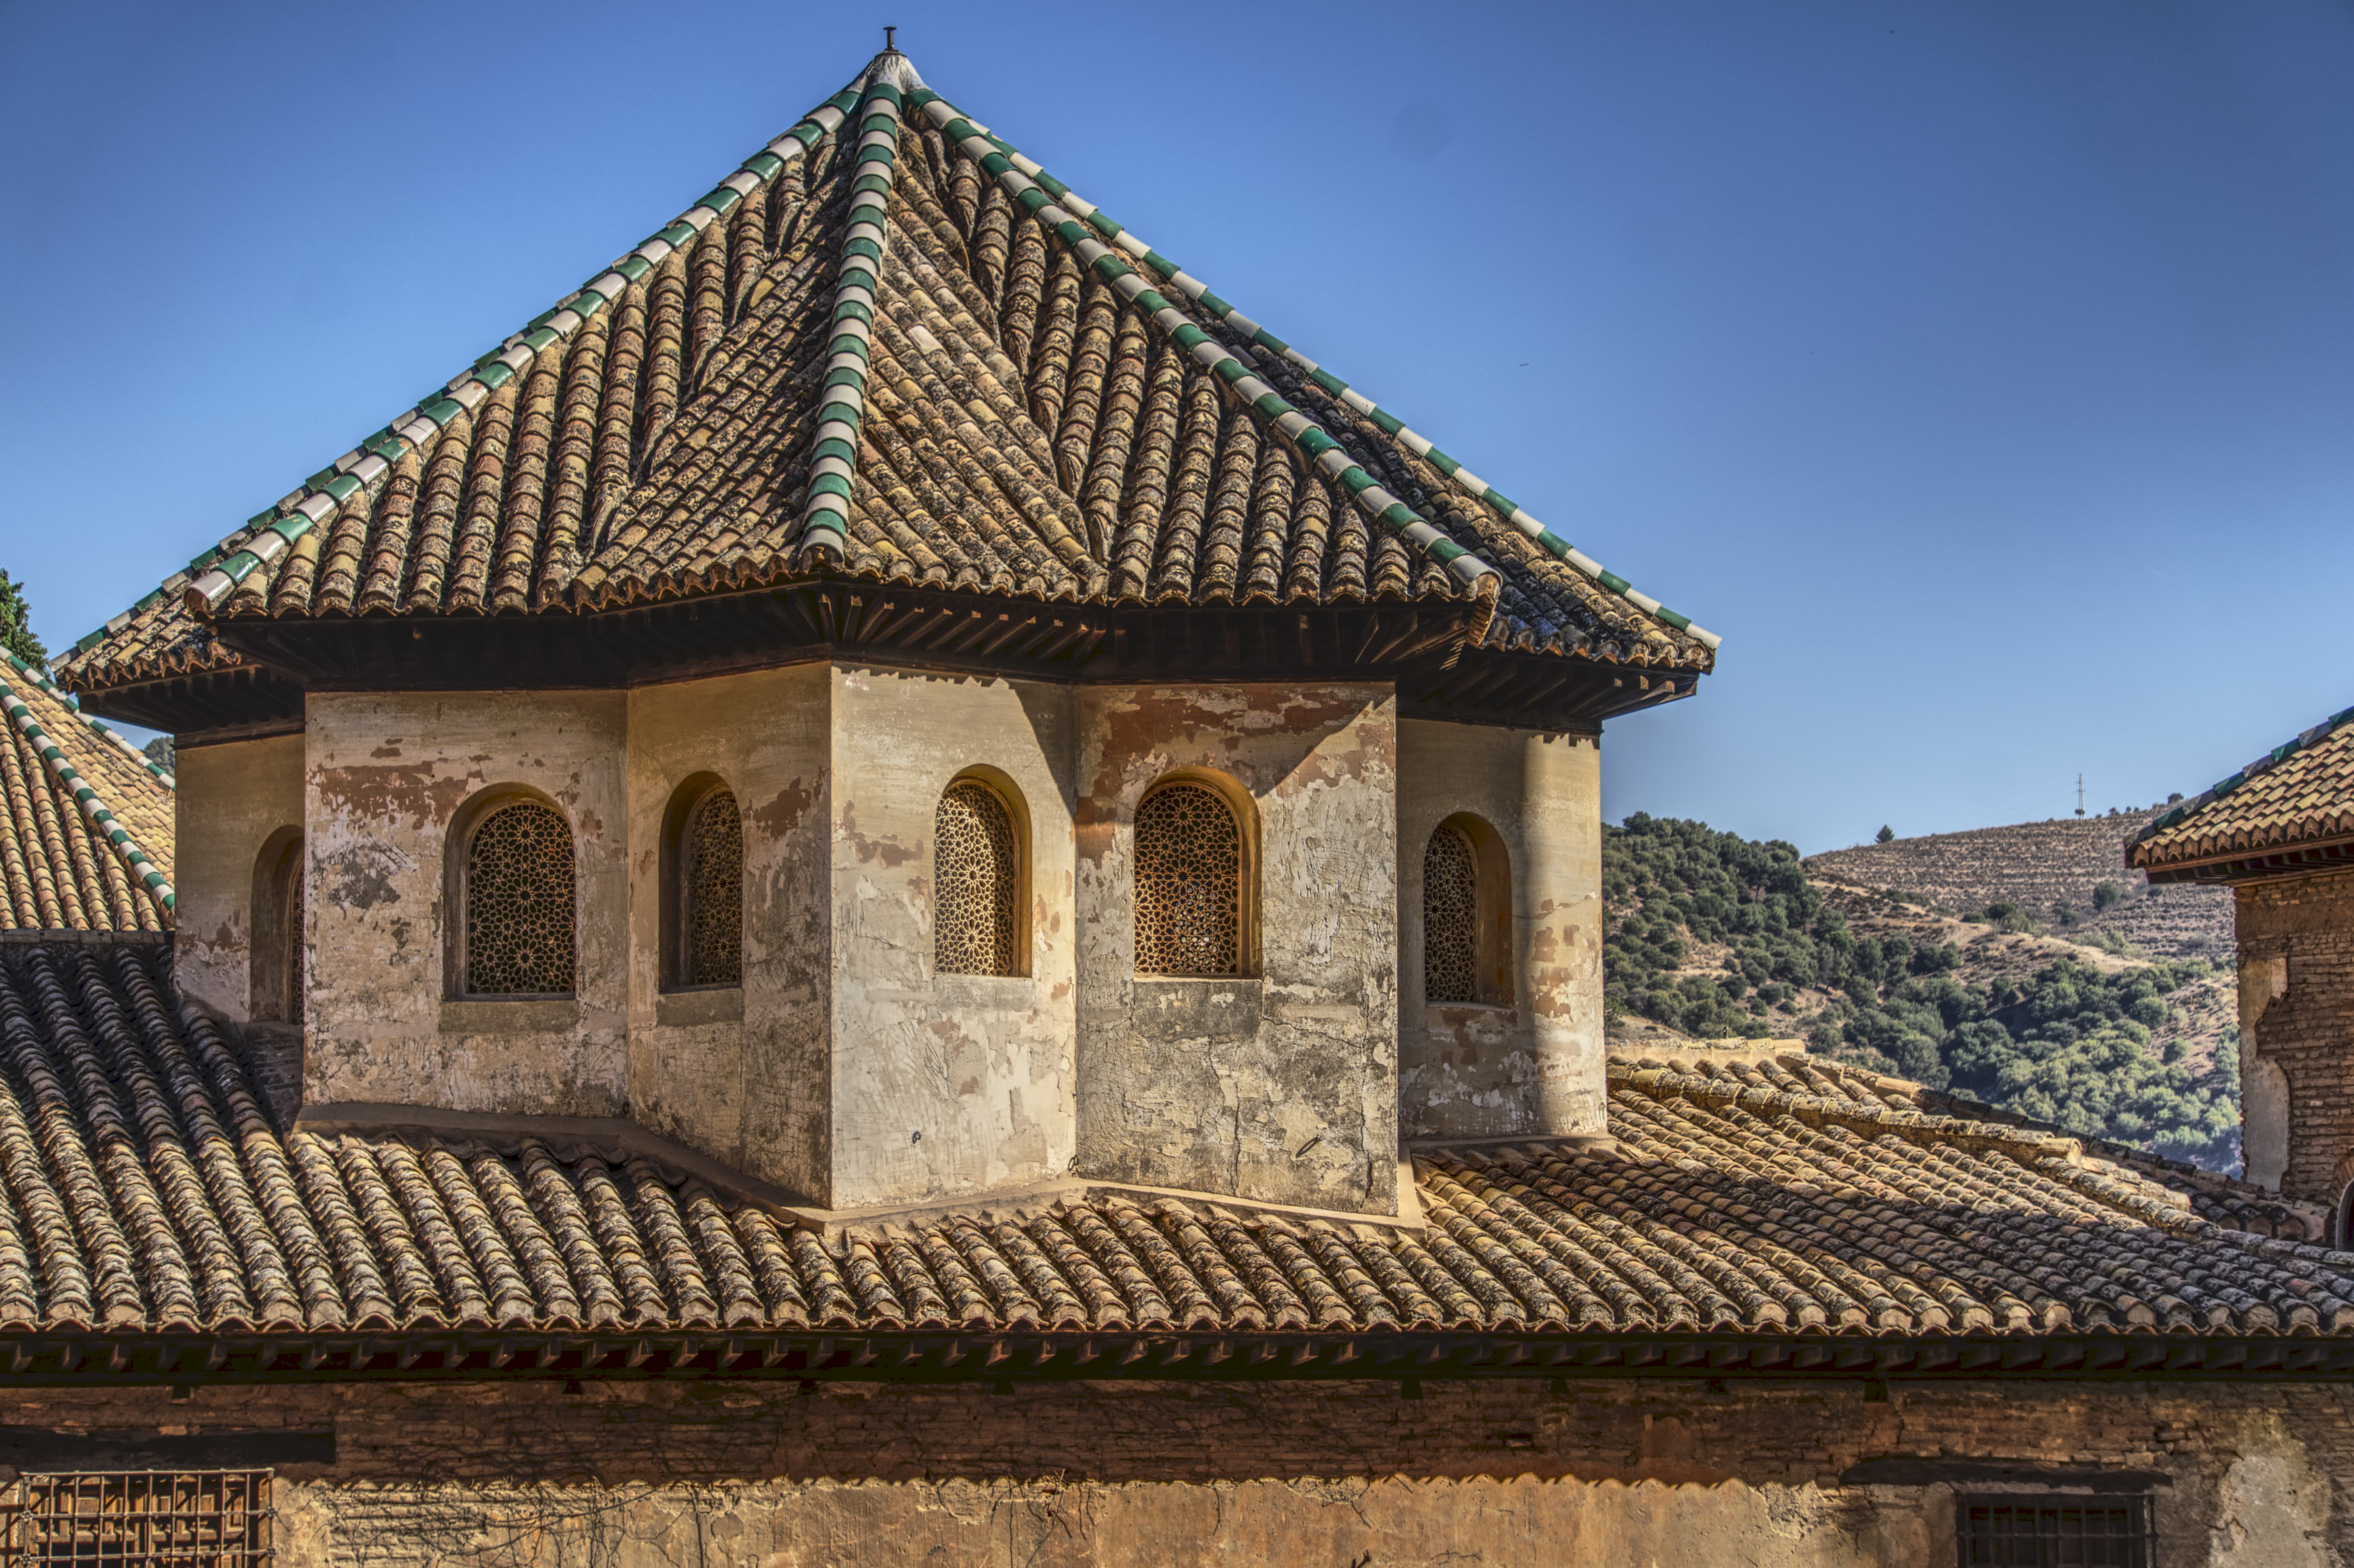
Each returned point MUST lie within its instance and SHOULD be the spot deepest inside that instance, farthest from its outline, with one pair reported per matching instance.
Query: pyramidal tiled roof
(2296, 796)
(86, 821)
(1764, 1205)
(893, 348)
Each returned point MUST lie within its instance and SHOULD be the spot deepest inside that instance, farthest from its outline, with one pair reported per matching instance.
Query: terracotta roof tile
(2298, 794)
(86, 821)
(147, 1190)
(1032, 417)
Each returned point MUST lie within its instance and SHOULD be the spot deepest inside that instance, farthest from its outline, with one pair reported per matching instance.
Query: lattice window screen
(519, 899)
(144, 1519)
(977, 879)
(712, 883)
(1188, 884)
(1450, 917)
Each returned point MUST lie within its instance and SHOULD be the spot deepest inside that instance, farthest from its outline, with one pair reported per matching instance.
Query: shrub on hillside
(2067, 1045)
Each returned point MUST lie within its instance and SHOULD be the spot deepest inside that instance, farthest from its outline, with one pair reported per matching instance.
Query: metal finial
(888, 46)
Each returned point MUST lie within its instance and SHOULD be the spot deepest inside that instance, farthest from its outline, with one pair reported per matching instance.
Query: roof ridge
(134, 859)
(1199, 293)
(825, 517)
(72, 704)
(267, 535)
(2254, 770)
(1267, 407)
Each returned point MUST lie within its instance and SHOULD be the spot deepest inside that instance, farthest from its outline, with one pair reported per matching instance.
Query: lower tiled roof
(148, 1190)
(85, 822)
(2296, 797)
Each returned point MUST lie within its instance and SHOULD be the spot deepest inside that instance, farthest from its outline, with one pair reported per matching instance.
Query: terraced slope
(2046, 869)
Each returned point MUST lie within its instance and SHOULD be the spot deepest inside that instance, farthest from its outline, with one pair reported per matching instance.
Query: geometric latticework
(519, 903)
(146, 1519)
(976, 880)
(1450, 918)
(1188, 884)
(713, 886)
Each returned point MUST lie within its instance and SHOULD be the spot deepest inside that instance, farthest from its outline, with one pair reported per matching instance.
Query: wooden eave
(2253, 865)
(1423, 646)
(935, 1355)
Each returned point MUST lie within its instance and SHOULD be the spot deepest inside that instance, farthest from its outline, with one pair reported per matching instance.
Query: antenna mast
(2080, 794)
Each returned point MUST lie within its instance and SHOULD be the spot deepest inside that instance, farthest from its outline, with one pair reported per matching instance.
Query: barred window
(144, 1519)
(711, 888)
(976, 883)
(2013, 1532)
(1450, 917)
(1189, 883)
(519, 903)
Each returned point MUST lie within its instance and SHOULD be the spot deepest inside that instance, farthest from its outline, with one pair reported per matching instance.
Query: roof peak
(891, 67)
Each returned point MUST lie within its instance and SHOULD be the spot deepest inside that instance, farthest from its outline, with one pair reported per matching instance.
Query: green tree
(17, 623)
(1886, 835)
(1709, 933)
(2106, 893)
(162, 753)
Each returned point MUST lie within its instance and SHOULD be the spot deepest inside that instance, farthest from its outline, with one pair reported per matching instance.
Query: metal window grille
(142, 1519)
(2055, 1532)
(1450, 918)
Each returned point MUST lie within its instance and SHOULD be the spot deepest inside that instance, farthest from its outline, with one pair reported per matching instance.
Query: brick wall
(2302, 1020)
(1498, 1472)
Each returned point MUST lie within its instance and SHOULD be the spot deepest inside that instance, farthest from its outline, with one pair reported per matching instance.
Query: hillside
(1711, 936)
(2053, 871)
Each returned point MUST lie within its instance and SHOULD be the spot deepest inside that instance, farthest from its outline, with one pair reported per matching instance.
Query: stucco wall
(750, 1091)
(1508, 1473)
(948, 1084)
(385, 774)
(1469, 1071)
(1281, 1085)
(231, 797)
(2296, 1014)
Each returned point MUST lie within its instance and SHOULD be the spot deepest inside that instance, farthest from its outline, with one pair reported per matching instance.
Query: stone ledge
(711, 1004)
(522, 1015)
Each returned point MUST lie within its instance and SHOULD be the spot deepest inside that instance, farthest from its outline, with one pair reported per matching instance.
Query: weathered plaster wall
(751, 1091)
(1281, 1085)
(1507, 1472)
(2296, 1014)
(386, 774)
(945, 1083)
(1537, 1066)
(231, 797)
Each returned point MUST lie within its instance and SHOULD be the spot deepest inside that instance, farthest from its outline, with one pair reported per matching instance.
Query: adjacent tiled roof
(147, 1191)
(2298, 794)
(890, 347)
(86, 821)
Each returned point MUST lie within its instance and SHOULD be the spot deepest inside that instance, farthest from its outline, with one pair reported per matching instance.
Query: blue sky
(1983, 373)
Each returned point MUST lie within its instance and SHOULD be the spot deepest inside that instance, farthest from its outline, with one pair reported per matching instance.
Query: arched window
(517, 896)
(1192, 865)
(977, 846)
(274, 962)
(1466, 914)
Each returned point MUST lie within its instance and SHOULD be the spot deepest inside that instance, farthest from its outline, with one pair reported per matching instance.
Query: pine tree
(1885, 834)
(16, 624)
